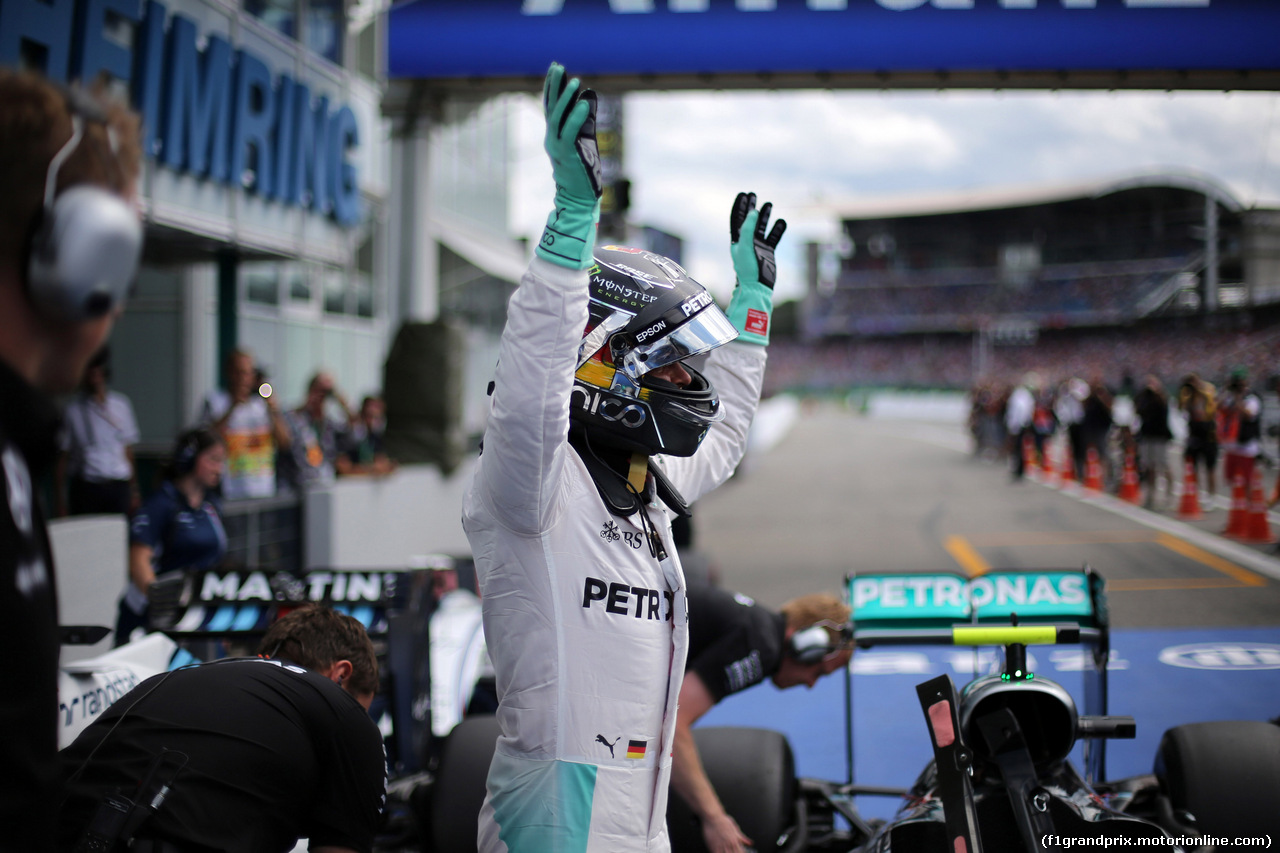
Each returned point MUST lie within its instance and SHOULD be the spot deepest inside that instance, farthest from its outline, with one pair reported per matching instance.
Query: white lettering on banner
(644, 7)
(891, 663)
(945, 591)
(255, 586)
(340, 586)
(1080, 660)
(215, 587)
(1223, 656)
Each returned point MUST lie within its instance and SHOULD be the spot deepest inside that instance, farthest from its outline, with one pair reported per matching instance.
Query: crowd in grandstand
(969, 303)
(1168, 349)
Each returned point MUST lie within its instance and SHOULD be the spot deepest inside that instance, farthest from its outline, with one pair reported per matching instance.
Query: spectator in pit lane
(95, 471)
(1198, 400)
(315, 438)
(1069, 409)
(251, 427)
(1151, 406)
(1239, 428)
(364, 449)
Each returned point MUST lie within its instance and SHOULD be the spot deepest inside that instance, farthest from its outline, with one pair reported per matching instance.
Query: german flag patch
(636, 748)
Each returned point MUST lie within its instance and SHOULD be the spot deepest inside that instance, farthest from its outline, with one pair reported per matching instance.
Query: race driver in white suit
(598, 433)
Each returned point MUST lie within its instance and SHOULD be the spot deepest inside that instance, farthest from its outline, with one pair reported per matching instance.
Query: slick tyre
(458, 791)
(753, 773)
(1225, 774)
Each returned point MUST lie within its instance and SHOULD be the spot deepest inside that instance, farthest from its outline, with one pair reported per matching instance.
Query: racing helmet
(645, 313)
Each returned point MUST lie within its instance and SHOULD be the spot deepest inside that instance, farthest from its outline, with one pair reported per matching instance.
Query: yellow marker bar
(1002, 635)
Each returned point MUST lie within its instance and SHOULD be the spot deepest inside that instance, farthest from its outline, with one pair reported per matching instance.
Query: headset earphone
(86, 242)
(812, 645)
(184, 458)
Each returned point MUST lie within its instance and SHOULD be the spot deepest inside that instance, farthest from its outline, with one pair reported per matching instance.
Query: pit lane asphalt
(841, 492)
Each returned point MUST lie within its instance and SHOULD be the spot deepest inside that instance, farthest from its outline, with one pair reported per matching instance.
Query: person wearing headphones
(734, 644)
(600, 430)
(261, 751)
(179, 528)
(70, 242)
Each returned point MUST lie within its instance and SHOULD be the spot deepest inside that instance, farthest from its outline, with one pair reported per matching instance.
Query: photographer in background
(315, 439)
(70, 242)
(250, 425)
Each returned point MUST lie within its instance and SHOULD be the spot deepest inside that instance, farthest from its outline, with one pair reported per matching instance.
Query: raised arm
(525, 438)
(736, 370)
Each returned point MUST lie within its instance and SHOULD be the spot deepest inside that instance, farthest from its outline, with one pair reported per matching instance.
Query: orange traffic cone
(1092, 471)
(1239, 508)
(1129, 480)
(1046, 462)
(1257, 531)
(1068, 465)
(1189, 506)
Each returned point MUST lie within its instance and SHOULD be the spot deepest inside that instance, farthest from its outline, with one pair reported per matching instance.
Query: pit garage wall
(370, 523)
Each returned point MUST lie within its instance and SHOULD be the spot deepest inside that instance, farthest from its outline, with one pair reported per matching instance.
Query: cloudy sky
(688, 154)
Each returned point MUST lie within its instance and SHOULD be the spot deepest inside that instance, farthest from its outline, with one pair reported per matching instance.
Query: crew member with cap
(599, 432)
(734, 644)
(70, 240)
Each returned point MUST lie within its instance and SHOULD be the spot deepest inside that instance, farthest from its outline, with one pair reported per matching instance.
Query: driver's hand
(722, 835)
(752, 247)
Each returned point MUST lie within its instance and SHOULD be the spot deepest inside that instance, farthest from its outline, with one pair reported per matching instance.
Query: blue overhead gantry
(494, 45)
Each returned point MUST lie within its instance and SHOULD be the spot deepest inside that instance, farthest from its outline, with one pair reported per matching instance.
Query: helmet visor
(703, 332)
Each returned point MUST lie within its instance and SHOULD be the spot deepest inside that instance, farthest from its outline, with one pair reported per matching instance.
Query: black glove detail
(764, 244)
(588, 151)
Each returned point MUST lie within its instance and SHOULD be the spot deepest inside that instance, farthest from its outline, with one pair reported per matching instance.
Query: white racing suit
(586, 629)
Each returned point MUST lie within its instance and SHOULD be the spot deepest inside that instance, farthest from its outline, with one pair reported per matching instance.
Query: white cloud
(688, 154)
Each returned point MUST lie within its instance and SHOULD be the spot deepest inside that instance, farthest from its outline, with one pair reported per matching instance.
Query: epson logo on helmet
(696, 304)
(630, 415)
(660, 326)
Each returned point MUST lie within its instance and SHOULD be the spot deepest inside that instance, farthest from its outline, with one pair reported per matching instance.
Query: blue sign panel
(515, 38)
(205, 108)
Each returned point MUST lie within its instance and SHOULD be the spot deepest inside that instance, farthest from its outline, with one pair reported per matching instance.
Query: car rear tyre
(458, 790)
(1225, 774)
(753, 773)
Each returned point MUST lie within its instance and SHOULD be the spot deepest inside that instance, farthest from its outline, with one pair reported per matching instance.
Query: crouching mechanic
(734, 644)
(598, 433)
(267, 750)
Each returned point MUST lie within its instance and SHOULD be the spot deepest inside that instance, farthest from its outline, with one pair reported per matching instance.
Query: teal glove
(755, 267)
(570, 235)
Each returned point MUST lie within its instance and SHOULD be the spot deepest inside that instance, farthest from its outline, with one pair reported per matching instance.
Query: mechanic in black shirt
(733, 644)
(277, 748)
(69, 243)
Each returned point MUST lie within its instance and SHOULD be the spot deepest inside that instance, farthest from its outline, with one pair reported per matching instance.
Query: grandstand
(1096, 278)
